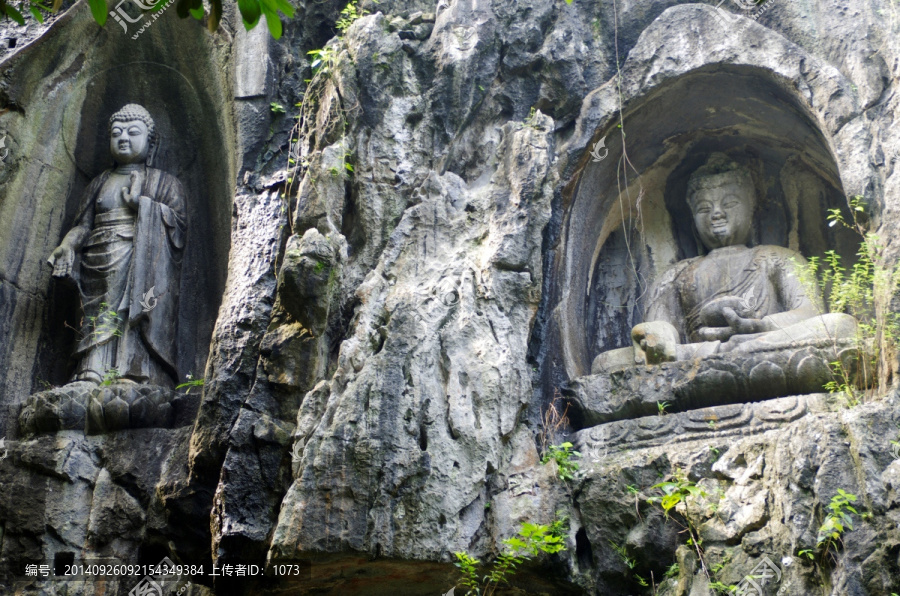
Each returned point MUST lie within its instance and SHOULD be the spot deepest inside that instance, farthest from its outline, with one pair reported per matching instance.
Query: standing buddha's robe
(129, 256)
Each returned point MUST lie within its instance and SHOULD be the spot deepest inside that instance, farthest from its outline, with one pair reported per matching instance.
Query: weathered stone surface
(233, 370)
(308, 279)
(91, 497)
(117, 513)
(477, 260)
(450, 310)
(14, 36)
(767, 495)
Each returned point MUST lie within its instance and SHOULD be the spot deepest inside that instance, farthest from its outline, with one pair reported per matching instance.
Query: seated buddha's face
(723, 214)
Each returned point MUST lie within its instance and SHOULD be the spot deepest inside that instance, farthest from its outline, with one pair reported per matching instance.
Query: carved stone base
(733, 420)
(98, 409)
(730, 378)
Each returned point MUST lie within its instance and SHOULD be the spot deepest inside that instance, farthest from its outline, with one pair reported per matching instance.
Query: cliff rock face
(385, 294)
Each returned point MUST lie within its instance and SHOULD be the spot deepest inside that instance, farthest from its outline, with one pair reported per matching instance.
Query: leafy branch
(679, 493)
(349, 14)
(35, 7)
(110, 376)
(837, 522)
(191, 383)
(863, 291)
(106, 322)
(532, 540)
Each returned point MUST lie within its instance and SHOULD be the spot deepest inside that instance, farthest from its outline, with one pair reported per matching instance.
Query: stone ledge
(734, 420)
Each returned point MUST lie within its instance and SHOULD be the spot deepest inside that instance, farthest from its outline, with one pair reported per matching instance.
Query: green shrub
(864, 291)
(562, 455)
(350, 13)
(838, 521)
(531, 540)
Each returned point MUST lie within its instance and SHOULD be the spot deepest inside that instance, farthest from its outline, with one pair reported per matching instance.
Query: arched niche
(189, 149)
(625, 219)
(66, 86)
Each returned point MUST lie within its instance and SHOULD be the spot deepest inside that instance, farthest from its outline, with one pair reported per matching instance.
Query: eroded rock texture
(764, 498)
(416, 268)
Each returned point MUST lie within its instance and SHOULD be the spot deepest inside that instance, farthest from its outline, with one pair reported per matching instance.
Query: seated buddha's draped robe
(757, 282)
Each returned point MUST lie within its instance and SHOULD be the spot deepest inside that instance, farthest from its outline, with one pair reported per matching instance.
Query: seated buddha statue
(734, 298)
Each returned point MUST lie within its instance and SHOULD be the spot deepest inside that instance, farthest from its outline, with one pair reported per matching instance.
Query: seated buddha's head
(722, 198)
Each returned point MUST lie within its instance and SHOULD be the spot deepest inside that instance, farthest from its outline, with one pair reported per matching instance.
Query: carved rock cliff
(379, 341)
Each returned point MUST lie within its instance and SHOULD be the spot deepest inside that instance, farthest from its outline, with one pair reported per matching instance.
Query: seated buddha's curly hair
(718, 170)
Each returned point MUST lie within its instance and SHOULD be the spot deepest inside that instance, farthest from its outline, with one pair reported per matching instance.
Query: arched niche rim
(627, 220)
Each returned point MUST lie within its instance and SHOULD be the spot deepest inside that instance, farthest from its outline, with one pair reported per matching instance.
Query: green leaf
(98, 9)
(250, 12)
(197, 13)
(272, 20)
(670, 501)
(285, 7)
(515, 543)
(36, 14)
(14, 14)
(666, 487)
